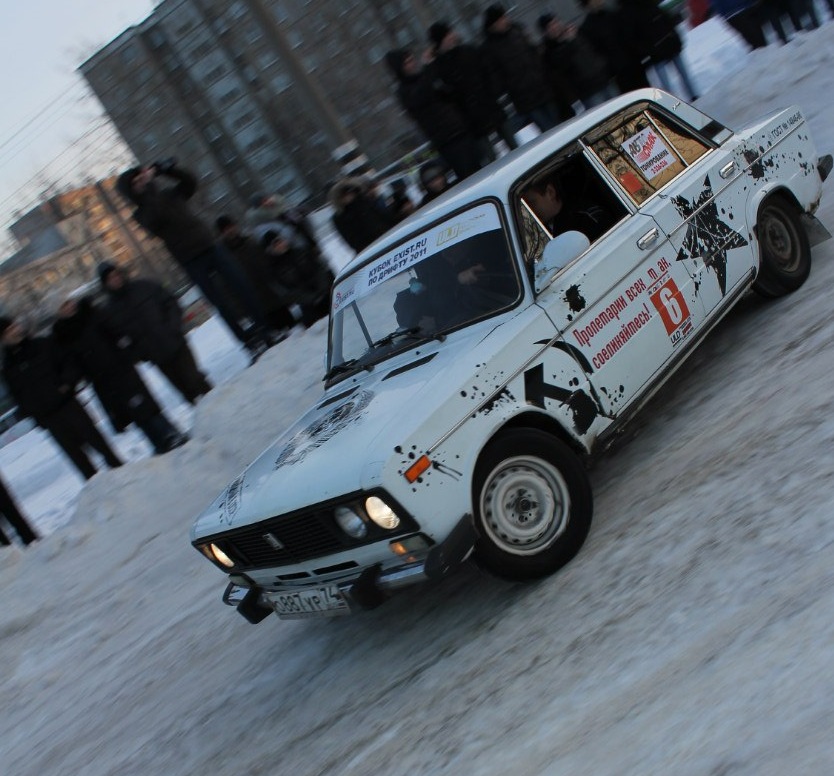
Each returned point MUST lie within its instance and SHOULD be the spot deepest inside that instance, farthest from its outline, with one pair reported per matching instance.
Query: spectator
(90, 351)
(299, 268)
(268, 210)
(357, 214)
(461, 67)
(434, 181)
(575, 70)
(398, 203)
(143, 315)
(431, 105)
(514, 67)
(14, 517)
(658, 38)
(165, 212)
(42, 392)
(274, 299)
(614, 37)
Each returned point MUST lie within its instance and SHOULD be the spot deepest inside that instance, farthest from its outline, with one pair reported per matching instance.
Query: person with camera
(161, 193)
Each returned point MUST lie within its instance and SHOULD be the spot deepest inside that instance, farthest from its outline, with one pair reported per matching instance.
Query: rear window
(644, 150)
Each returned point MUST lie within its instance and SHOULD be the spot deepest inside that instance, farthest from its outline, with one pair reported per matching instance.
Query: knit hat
(438, 31)
(492, 15)
(4, 324)
(544, 20)
(105, 269)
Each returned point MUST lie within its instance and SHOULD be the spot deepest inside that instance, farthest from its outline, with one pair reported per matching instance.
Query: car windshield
(458, 271)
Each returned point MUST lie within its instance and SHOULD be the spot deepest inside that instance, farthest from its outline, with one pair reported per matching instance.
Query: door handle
(648, 239)
(727, 170)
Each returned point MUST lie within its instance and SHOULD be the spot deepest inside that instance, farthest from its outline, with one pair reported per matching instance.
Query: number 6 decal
(669, 302)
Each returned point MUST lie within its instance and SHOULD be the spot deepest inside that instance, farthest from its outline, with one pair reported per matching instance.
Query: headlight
(381, 513)
(350, 522)
(220, 556)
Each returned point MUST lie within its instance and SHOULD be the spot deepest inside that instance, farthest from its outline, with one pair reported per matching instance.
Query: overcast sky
(41, 45)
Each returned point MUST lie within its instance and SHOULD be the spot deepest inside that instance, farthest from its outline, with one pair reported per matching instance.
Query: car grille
(285, 540)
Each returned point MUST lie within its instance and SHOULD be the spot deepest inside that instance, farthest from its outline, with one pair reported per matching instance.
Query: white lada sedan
(485, 349)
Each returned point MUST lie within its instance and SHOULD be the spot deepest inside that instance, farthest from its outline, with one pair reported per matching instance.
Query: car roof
(495, 179)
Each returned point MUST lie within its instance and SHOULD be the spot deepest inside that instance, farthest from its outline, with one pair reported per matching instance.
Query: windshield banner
(470, 223)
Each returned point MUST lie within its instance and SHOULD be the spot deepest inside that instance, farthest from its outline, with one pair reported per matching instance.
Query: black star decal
(707, 237)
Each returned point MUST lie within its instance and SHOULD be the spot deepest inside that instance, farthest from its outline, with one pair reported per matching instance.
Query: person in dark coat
(658, 38)
(14, 517)
(267, 210)
(295, 266)
(575, 71)
(614, 37)
(434, 180)
(33, 376)
(142, 314)
(514, 66)
(246, 248)
(89, 350)
(165, 212)
(431, 105)
(461, 67)
(358, 215)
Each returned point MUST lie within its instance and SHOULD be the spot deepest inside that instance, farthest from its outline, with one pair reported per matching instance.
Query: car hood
(339, 446)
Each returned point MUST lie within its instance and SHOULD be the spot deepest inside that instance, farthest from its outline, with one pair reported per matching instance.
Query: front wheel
(785, 253)
(533, 505)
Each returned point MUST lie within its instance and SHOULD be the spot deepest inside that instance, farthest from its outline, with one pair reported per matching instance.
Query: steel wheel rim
(525, 505)
(780, 241)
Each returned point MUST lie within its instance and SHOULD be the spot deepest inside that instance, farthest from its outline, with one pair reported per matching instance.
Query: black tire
(533, 505)
(785, 252)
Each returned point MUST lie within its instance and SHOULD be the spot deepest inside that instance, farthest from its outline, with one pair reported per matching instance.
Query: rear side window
(644, 150)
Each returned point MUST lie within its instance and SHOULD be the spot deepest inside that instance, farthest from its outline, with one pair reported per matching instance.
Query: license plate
(324, 601)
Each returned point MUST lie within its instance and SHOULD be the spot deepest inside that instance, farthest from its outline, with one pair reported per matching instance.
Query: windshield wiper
(346, 366)
(415, 332)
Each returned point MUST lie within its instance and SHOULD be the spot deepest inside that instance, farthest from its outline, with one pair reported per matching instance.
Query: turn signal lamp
(417, 468)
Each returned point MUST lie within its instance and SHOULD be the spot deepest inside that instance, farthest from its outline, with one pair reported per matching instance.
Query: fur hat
(438, 31)
(492, 14)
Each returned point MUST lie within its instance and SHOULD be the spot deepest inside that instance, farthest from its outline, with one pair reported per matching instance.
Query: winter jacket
(465, 73)
(303, 272)
(165, 212)
(614, 38)
(88, 349)
(32, 373)
(250, 255)
(429, 102)
(515, 68)
(656, 35)
(574, 69)
(361, 220)
(147, 319)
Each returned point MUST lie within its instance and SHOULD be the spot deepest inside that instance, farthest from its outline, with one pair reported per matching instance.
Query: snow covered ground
(694, 634)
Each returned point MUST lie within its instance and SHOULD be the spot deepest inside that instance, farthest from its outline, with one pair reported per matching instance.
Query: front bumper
(375, 584)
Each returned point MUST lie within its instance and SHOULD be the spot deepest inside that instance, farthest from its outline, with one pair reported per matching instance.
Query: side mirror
(558, 253)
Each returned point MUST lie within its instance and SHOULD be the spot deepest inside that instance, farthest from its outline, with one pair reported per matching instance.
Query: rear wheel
(785, 252)
(533, 505)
